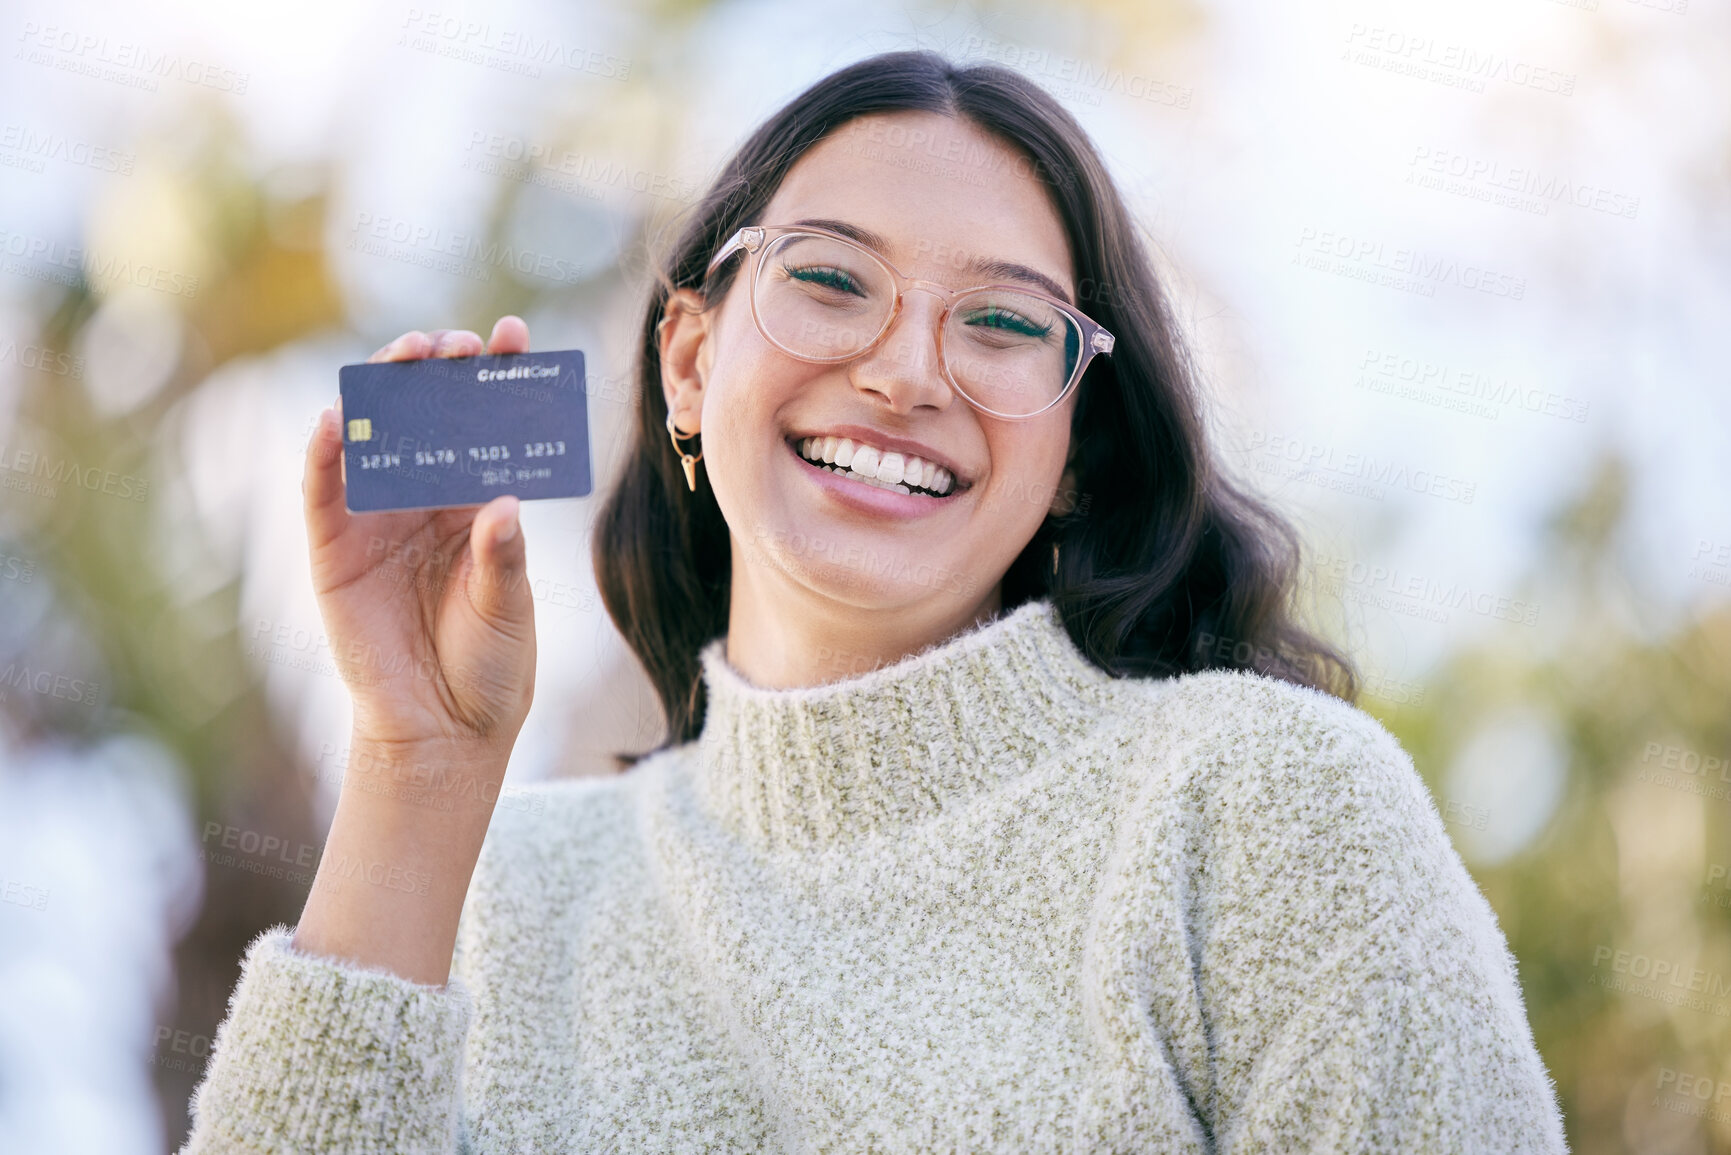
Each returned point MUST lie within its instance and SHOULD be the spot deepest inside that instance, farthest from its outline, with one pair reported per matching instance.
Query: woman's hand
(428, 612)
(432, 625)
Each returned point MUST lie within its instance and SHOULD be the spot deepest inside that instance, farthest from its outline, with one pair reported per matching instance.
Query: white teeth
(897, 471)
(880, 483)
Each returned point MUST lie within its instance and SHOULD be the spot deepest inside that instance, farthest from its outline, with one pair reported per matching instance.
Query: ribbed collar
(801, 768)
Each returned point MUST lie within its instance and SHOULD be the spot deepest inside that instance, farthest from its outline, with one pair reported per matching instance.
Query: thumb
(500, 570)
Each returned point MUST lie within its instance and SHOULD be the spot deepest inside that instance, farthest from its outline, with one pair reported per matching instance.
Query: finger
(501, 562)
(510, 335)
(322, 483)
(457, 343)
(411, 346)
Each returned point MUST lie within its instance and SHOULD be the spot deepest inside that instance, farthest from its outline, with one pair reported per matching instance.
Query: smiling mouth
(943, 484)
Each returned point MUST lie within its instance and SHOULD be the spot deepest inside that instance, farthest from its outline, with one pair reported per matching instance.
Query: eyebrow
(981, 266)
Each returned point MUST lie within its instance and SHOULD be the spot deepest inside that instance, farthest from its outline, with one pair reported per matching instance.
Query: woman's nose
(906, 366)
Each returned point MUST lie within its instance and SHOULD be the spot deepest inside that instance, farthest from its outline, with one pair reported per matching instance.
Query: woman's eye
(827, 276)
(1007, 320)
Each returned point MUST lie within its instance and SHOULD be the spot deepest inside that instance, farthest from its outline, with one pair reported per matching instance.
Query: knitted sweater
(987, 898)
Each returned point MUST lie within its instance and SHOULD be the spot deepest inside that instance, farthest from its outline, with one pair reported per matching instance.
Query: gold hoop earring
(685, 459)
(1054, 559)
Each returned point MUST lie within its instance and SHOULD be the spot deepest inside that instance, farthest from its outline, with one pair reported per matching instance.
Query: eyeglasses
(1011, 352)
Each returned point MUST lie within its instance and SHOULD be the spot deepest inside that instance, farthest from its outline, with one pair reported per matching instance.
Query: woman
(1004, 807)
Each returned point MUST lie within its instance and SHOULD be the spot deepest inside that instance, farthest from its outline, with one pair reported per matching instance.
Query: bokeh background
(1457, 273)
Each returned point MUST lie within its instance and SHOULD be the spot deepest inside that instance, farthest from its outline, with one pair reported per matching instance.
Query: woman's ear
(683, 341)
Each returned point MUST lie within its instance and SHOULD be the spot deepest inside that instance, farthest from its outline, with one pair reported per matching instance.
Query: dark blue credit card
(447, 431)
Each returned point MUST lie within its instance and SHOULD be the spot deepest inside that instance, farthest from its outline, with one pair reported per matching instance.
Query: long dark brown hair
(1166, 565)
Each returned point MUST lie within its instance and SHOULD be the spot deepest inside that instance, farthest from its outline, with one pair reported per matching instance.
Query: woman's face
(939, 192)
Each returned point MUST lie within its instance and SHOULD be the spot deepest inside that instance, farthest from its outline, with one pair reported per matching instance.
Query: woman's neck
(783, 635)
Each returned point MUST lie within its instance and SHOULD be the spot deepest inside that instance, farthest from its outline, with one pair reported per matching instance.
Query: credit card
(447, 431)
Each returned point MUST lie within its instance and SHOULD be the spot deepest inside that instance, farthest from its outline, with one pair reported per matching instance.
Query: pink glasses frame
(753, 238)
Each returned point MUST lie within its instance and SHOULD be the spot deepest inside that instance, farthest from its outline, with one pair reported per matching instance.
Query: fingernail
(507, 530)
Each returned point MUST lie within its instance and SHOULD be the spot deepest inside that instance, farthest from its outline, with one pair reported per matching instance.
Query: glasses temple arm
(748, 237)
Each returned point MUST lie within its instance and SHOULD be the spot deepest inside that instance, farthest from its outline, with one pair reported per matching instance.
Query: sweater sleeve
(318, 1055)
(1358, 992)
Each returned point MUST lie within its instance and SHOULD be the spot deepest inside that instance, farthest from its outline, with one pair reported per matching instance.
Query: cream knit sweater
(985, 899)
